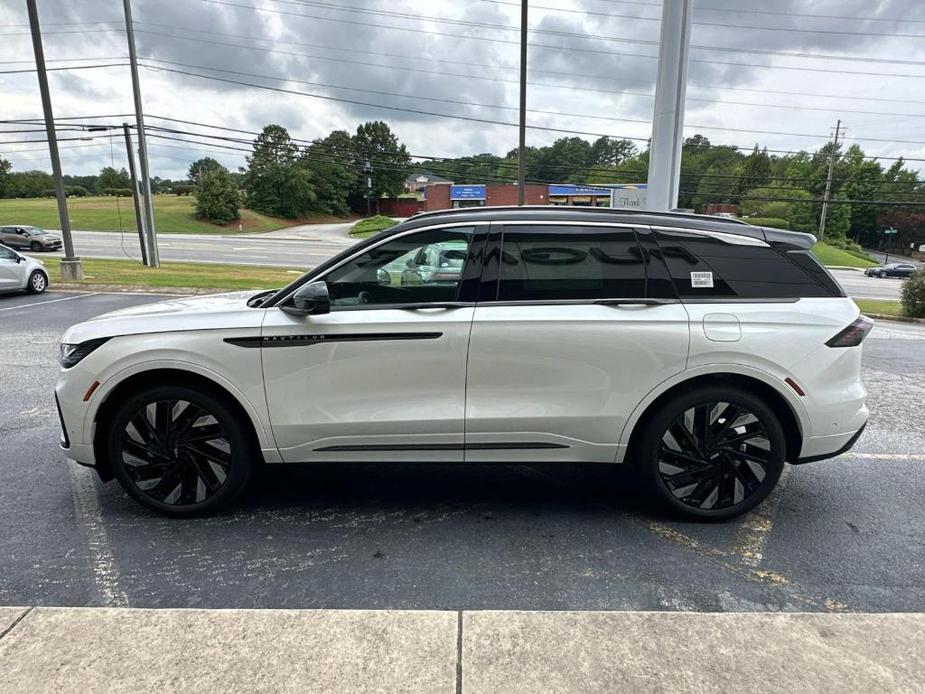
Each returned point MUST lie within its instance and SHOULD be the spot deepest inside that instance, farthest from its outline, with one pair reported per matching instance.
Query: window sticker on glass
(702, 280)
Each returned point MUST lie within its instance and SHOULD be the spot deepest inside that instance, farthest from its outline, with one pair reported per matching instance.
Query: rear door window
(550, 263)
(707, 267)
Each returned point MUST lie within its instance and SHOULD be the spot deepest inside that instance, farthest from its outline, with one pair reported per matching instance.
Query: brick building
(444, 197)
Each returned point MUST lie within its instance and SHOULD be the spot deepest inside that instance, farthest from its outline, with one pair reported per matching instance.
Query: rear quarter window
(705, 267)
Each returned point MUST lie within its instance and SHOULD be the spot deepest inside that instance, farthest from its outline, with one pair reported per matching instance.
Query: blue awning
(577, 190)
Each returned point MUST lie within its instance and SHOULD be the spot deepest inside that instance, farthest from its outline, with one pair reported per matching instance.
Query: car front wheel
(35, 247)
(37, 283)
(712, 453)
(180, 451)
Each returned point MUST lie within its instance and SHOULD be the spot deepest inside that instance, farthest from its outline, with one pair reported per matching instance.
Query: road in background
(839, 535)
(299, 247)
(307, 246)
(859, 286)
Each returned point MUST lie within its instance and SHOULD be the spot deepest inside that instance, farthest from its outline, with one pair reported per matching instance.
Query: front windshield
(33, 231)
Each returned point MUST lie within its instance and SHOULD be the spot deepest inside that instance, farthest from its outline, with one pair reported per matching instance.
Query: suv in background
(704, 352)
(29, 238)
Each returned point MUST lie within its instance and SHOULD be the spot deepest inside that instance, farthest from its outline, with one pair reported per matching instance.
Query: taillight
(853, 335)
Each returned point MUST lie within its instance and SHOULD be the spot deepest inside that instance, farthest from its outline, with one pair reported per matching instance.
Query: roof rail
(564, 209)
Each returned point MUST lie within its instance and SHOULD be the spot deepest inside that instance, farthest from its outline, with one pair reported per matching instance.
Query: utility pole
(828, 181)
(368, 168)
(139, 217)
(71, 269)
(522, 146)
(668, 119)
(148, 211)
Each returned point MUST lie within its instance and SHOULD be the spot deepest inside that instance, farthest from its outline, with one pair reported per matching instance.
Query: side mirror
(311, 299)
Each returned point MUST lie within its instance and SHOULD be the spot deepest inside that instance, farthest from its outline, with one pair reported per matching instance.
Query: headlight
(73, 354)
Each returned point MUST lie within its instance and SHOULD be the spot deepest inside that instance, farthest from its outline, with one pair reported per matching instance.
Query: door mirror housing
(311, 299)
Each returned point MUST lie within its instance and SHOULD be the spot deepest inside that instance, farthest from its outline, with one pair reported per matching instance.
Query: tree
(802, 214)
(756, 171)
(716, 186)
(201, 166)
(606, 152)
(111, 178)
(5, 167)
(388, 159)
(28, 184)
(329, 161)
(217, 197)
(277, 181)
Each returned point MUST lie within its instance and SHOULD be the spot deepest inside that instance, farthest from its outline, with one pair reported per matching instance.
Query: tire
(38, 282)
(715, 477)
(35, 247)
(157, 450)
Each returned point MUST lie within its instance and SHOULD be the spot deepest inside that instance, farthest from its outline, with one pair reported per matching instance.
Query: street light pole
(153, 256)
(522, 145)
(71, 269)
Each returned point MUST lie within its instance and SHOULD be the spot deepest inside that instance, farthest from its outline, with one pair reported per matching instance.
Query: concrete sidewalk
(61, 650)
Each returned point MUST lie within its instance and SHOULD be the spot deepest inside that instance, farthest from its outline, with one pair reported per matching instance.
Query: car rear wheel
(711, 453)
(180, 451)
(38, 282)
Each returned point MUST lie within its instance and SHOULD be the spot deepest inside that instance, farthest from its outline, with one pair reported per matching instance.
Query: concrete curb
(129, 289)
(898, 319)
(87, 650)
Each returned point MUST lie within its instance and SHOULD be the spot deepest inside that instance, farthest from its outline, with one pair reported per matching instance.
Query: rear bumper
(812, 446)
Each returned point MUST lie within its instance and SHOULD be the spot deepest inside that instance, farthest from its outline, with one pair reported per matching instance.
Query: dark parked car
(31, 238)
(901, 270)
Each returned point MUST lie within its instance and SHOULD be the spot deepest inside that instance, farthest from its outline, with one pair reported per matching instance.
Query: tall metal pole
(139, 217)
(153, 256)
(522, 146)
(668, 121)
(828, 182)
(71, 269)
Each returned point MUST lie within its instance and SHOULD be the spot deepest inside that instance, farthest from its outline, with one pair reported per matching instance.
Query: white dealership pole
(670, 90)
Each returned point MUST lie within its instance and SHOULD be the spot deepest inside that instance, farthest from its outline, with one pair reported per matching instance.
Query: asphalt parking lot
(840, 535)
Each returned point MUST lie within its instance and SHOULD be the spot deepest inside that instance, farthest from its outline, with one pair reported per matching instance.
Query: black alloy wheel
(714, 455)
(179, 451)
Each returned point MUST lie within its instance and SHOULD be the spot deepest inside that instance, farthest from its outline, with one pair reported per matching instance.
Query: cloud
(457, 61)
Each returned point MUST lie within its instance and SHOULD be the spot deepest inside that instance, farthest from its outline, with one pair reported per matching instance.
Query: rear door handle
(436, 304)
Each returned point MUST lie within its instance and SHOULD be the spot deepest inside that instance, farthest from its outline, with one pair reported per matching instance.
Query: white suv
(707, 352)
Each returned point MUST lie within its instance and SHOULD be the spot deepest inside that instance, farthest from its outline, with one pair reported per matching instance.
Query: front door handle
(435, 304)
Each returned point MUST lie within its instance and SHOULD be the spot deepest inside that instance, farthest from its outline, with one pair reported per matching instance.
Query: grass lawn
(172, 214)
(372, 225)
(194, 275)
(829, 255)
(884, 308)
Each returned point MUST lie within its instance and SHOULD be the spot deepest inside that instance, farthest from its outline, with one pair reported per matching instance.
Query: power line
(584, 36)
(898, 203)
(715, 24)
(812, 16)
(382, 106)
(443, 73)
(64, 67)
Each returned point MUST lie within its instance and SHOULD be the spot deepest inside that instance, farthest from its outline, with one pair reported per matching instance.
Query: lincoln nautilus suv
(704, 352)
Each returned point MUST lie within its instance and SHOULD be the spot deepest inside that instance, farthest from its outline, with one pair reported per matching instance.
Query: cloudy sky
(592, 70)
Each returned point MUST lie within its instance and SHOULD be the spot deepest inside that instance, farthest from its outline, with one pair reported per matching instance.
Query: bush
(183, 189)
(913, 295)
(372, 225)
(773, 222)
(76, 191)
(118, 192)
(217, 197)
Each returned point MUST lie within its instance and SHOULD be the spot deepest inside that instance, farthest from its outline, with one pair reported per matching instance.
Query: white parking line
(102, 560)
(49, 301)
(884, 456)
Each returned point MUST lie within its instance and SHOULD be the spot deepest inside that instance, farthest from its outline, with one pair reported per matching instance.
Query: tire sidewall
(241, 448)
(647, 450)
(35, 247)
(30, 287)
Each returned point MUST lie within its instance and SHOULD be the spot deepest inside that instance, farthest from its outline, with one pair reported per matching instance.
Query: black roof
(548, 213)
